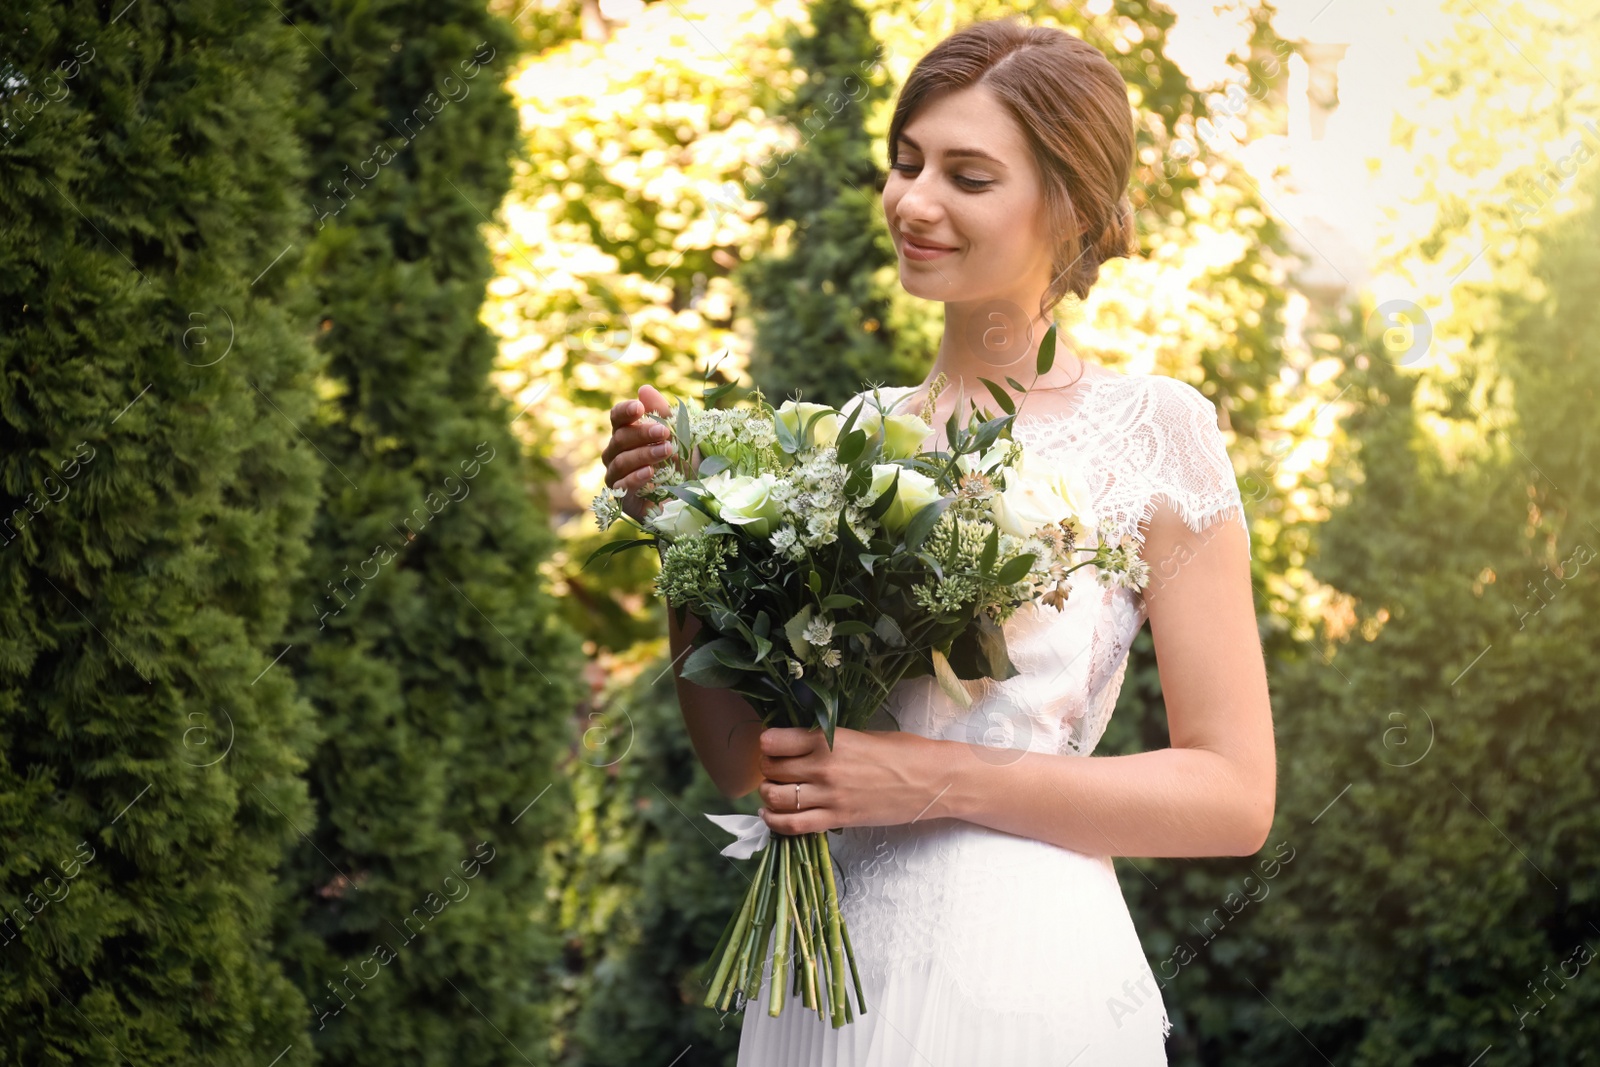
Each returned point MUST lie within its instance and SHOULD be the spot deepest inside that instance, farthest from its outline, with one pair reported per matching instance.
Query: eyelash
(972, 184)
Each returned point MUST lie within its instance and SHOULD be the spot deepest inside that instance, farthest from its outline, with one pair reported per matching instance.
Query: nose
(918, 202)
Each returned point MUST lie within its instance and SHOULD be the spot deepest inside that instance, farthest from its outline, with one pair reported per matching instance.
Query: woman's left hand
(869, 778)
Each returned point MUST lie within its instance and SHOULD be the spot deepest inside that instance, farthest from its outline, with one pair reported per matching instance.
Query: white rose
(741, 500)
(916, 491)
(1026, 505)
(796, 415)
(1065, 480)
(677, 519)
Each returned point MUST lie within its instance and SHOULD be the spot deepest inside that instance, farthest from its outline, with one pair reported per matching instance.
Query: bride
(975, 843)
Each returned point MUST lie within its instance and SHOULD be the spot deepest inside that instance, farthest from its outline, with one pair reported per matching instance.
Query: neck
(981, 342)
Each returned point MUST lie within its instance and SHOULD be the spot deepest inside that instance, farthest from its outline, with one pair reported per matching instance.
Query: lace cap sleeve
(1193, 473)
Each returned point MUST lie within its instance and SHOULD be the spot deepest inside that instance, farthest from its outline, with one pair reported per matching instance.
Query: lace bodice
(1139, 441)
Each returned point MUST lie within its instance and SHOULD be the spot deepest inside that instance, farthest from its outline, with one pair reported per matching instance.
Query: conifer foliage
(421, 631)
(155, 498)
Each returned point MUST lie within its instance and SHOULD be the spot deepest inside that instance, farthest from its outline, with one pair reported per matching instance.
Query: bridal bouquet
(829, 556)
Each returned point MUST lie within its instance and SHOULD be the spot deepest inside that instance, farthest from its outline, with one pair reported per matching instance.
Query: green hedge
(156, 497)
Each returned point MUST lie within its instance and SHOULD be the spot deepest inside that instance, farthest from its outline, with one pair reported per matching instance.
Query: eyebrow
(975, 153)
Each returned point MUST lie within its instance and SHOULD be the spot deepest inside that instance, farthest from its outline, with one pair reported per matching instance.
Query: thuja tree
(423, 635)
(155, 499)
(820, 305)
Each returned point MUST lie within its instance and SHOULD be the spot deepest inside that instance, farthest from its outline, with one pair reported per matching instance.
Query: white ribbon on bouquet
(751, 831)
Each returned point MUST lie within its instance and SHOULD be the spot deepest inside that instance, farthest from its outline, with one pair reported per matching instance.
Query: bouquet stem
(795, 897)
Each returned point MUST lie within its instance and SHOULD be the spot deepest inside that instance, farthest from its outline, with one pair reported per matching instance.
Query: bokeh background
(317, 745)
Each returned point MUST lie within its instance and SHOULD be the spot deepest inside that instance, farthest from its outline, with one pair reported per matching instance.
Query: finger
(636, 464)
(810, 821)
(652, 399)
(641, 434)
(779, 796)
(780, 741)
(624, 412)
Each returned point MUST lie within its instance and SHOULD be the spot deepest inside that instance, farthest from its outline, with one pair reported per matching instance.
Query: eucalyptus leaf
(1007, 405)
(1014, 569)
(704, 668)
(1047, 352)
(921, 524)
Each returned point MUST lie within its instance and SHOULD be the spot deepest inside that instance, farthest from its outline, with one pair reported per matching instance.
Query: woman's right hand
(637, 444)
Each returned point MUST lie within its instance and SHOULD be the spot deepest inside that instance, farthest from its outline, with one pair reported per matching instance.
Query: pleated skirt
(974, 947)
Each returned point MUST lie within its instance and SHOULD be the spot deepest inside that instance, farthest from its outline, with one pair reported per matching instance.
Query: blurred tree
(155, 498)
(424, 635)
(1438, 768)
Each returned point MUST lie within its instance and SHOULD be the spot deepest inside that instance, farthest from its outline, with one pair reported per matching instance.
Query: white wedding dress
(978, 947)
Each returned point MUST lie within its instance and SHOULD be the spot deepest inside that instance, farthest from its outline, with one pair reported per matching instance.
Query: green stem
(780, 954)
(835, 940)
(731, 952)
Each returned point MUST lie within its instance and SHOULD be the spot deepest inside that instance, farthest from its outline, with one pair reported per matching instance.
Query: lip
(914, 250)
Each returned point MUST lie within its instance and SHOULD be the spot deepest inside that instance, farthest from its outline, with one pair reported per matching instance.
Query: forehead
(966, 118)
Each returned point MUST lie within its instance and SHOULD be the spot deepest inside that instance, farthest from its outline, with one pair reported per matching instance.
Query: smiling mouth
(914, 243)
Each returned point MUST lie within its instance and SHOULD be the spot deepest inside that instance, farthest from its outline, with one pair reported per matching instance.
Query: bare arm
(724, 729)
(1211, 793)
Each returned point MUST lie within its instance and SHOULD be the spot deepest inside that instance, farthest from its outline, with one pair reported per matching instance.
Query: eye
(960, 179)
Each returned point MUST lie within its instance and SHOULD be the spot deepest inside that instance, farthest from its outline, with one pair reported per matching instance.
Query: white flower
(606, 508)
(678, 519)
(1027, 505)
(795, 667)
(1064, 479)
(832, 658)
(796, 415)
(819, 631)
(741, 500)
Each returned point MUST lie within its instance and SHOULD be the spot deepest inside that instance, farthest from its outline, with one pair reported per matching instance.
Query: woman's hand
(869, 778)
(637, 444)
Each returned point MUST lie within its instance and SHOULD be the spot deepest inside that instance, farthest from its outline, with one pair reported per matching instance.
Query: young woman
(976, 843)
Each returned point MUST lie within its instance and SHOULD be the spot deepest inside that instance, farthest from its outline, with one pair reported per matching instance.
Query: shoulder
(1189, 469)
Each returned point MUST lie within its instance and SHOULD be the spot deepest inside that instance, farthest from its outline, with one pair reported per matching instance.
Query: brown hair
(1072, 105)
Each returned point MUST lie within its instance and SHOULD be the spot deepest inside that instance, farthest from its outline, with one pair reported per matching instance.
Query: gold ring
(797, 796)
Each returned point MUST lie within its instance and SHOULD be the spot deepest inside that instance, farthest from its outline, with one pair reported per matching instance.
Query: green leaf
(685, 431)
(814, 581)
(1007, 405)
(787, 441)
(840, 600)
(713, 465)
(1018, 386)
(1047, 352)
(992, 644)
(989, 433)
(851, 445)
(850, 627)
(611, 548)
(1015, 568)
(867, 561)
(879, 507)
(991, 551)
(704, 668)
(921, 524)
(889, 631)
